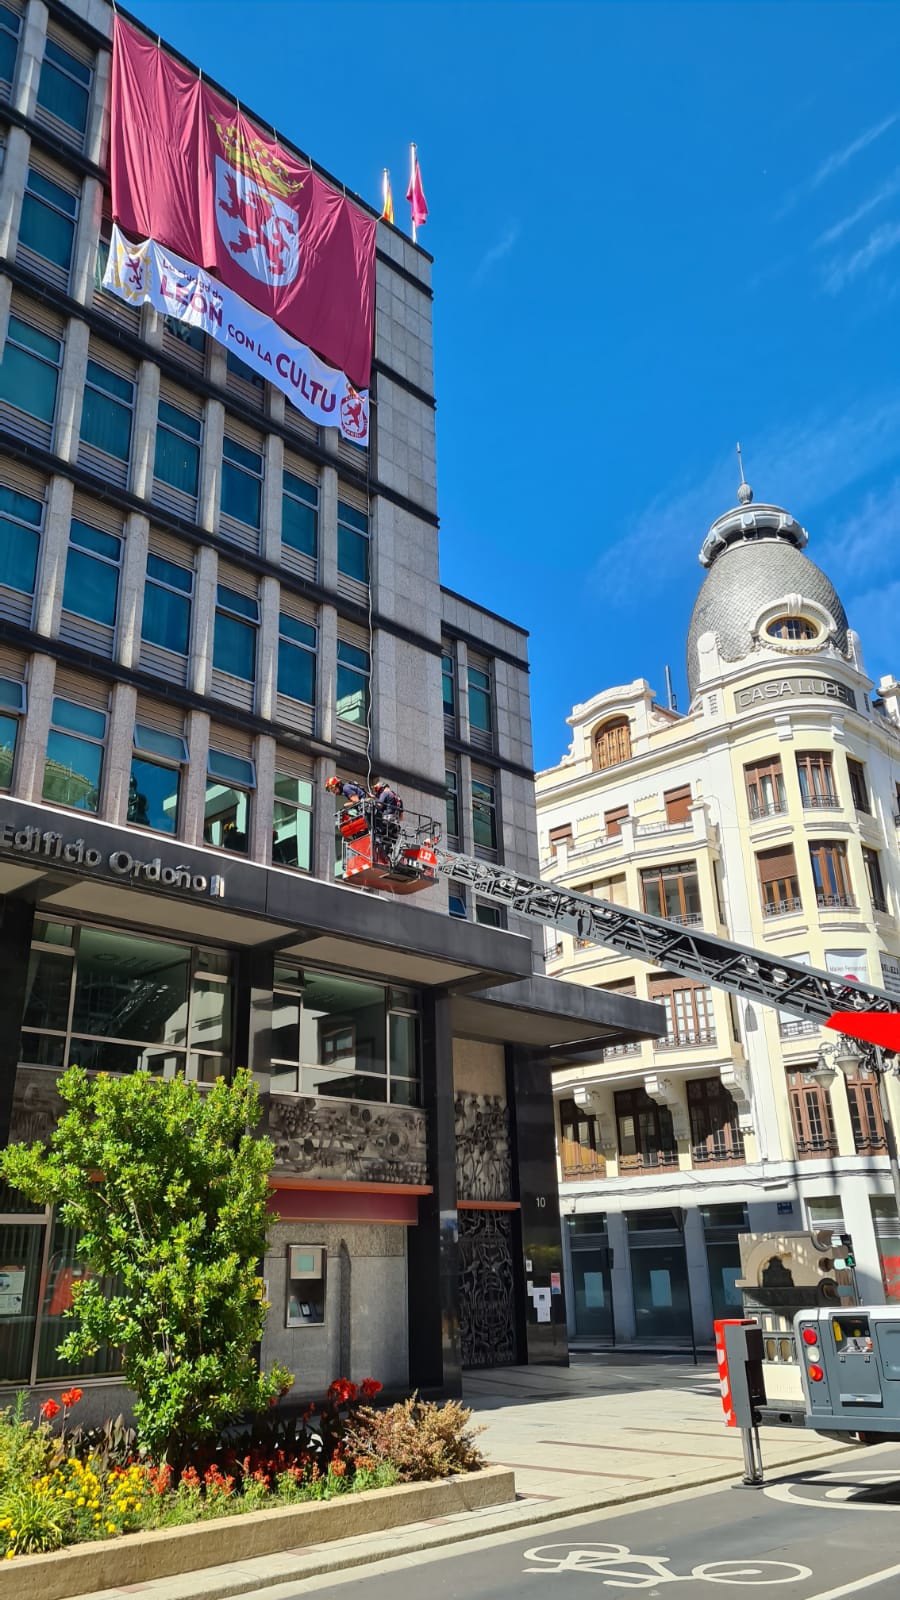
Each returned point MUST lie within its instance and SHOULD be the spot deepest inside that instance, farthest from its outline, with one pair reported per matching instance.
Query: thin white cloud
(861, 545)
(504, 244)
(800, 467)
(880, 242)
(838, 229)
(835, 162)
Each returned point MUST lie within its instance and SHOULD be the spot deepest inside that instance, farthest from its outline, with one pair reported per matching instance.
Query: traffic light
(825, 1267)
(846, 1260)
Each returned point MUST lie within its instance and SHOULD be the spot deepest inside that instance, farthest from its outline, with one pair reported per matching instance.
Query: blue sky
(657, 229)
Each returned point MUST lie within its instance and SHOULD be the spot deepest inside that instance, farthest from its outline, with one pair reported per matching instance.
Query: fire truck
(799, 1290)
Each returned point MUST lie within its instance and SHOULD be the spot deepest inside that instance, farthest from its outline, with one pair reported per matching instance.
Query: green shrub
(24, 1449)
(30, 1520)
(419, 1439)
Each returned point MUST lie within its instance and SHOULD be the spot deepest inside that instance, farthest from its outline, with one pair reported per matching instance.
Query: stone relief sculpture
(324, 1139)
(483, 1164)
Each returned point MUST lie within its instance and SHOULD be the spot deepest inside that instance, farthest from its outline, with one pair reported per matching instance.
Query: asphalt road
(820, 1534)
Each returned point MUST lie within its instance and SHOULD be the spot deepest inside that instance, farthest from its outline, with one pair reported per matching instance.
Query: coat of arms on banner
(257, 224)
(132, 272)
(354, 416)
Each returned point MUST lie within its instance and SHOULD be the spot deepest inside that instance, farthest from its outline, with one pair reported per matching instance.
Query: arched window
(612, 743)
(791, 628)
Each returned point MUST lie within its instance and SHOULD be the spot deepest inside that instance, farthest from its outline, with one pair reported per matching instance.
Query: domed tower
(761, 594)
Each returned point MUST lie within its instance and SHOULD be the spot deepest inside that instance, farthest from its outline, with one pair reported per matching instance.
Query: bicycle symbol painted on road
(621, 1569)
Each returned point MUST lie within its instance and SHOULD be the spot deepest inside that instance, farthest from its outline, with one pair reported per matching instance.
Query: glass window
(791, 628)
(448, 684)
(672, 891)
(343, 1037)
(9, 733)
(10, 25)
(64, 1270)
(489, 916)
(106, 411)
(48, 219)
(579, 1142)
(353, 543)
(816, 776)
(65, 86)
(299, 515)
(177, 459)
(481, 714)
(240, 369)
(167, 605)
(227, 809)
(237, 622)
(352, 683)
(296, 660)
(194, 338)
(764, 782)
(646, 1137)
(452, 783)
(154, 789)
(22, 1248)
(292, 825)
(484, 815)
(242, 472)
(858, 787)
(131, 987)
(92, 574)
(74, 755)
(830, 873)
(20, 525)
(29, 371)
(874, 878)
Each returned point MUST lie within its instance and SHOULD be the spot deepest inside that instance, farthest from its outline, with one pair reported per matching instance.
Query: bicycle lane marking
(857, 1584)
(626, 1569)
(833, 1496)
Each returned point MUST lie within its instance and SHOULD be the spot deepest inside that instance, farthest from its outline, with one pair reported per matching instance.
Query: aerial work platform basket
(388, 852)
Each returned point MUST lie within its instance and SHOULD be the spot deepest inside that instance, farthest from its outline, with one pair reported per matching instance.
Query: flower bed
(75, 1486)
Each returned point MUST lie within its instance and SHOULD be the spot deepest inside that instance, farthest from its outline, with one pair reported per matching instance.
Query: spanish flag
(387, 207)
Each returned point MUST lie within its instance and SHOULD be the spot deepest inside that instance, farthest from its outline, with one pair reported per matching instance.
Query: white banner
(146, 272)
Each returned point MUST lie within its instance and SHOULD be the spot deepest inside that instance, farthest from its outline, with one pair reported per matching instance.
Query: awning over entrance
(568, 1019)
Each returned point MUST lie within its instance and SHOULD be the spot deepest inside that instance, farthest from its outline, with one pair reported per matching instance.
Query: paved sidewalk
(608, 1430)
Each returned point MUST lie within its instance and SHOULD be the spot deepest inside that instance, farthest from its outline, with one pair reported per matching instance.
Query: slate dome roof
(755, 556)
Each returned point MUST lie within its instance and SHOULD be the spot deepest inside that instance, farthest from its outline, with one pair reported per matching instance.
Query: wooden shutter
(612, 821)
(775, 864)
(12, 663)
(678, 804)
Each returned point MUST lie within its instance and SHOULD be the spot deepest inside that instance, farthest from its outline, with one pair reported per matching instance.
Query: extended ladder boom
(734, 967)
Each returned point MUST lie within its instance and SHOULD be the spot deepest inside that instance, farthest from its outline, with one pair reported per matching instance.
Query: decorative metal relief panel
(325, 1139)
(483, 1165)
(486, 1301)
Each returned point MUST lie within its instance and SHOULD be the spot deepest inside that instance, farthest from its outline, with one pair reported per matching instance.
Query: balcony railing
(782, 908)
(719, 1155)
(817, 1146)
(879, 903)
(632, 1048)
(836, 902)
(649, 1162)
(662, 827)
(577, 1161)
(766, 808)
(821, 802)
(677, 1041)
(687, 919)
(870, 1144)
(797, 1029)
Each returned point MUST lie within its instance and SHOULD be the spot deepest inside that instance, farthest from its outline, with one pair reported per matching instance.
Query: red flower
(338, 1468)
(343, 1391)
(71, 1397)
(370, 1387)
(49, 1410)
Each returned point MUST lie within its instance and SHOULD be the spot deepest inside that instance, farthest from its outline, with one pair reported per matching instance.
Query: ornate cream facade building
(768, 813)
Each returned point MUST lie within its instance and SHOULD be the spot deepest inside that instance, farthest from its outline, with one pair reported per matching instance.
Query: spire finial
(745, 493)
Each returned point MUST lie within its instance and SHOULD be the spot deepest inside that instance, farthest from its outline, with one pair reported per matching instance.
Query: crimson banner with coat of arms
(191, 172)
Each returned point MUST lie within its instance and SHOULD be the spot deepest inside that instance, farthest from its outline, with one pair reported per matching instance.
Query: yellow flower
(10, 1554)
(111, 1527)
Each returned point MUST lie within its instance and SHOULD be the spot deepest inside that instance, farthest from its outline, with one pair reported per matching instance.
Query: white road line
(858, 1584)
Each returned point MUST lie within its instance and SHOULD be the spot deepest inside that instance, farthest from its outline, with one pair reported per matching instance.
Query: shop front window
(109, 1001)
(344, 1038)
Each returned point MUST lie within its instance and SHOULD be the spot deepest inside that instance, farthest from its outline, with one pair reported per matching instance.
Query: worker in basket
(353, 810)
(387, 815)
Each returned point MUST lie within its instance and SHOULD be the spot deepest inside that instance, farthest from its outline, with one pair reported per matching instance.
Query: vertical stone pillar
(433, 1245)
(204, 619)
(16, 922)
(54, 550)
(529, 1095)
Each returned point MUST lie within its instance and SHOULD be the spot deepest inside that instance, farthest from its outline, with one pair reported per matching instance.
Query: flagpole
(412, 179)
